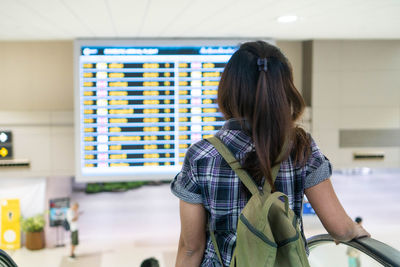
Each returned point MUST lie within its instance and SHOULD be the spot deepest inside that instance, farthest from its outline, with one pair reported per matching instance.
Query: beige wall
(294, 52)
(356, 85)
(37, 105)
(36, 75)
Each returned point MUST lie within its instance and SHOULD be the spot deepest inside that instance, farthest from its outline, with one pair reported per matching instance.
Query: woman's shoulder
(314, 155)
(199, 150)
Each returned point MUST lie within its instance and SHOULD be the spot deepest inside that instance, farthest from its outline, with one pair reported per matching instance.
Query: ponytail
(257, 85)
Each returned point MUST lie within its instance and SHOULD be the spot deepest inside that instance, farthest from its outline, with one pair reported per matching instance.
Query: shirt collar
(237, 124)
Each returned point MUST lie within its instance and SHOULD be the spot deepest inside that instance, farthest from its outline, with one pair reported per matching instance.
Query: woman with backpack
(261, 106)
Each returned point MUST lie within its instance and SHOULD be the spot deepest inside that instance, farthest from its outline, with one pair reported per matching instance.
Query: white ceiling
(70, 19)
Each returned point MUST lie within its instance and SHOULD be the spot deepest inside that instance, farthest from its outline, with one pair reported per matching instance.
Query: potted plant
(33, 227)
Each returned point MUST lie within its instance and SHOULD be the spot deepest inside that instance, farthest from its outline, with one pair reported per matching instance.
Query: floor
(122, 229)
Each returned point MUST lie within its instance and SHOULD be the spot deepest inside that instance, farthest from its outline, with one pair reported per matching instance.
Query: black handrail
(382, 253)
(6, 260)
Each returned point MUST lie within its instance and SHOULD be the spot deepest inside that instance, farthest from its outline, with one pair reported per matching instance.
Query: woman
(258, 99)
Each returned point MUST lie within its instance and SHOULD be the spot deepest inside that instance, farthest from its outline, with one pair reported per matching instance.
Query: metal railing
(382, 253)
(5, 260)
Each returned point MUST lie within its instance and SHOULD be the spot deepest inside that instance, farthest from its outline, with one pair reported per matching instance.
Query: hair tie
(262, 64)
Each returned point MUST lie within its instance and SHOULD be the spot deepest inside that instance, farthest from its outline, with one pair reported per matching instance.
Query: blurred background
(346, 63)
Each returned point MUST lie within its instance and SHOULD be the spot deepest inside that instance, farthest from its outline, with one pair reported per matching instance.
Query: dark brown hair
(268, 102)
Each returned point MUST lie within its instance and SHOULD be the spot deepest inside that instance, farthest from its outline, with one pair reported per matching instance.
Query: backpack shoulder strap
(215, 244)
(234, 164)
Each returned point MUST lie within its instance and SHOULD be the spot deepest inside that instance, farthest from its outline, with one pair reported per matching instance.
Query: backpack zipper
(256, 232)
(260, 187)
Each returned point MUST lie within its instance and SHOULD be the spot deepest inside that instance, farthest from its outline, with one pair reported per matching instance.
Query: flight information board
(140, 108)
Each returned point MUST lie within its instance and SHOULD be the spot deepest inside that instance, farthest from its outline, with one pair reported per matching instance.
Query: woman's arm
(192, 240)
(339, 225)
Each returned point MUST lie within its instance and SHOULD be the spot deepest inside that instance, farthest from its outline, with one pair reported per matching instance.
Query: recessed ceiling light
(287, 18)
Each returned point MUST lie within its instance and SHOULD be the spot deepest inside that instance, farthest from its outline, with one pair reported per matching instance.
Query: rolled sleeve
(185, 186)
(318, 167)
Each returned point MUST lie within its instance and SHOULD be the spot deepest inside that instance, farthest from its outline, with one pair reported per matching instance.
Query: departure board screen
(141, 107)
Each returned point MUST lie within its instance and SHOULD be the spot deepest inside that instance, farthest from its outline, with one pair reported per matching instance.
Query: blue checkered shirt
(206, 178)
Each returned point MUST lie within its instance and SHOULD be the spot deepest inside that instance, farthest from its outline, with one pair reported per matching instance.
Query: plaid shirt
(206, 178)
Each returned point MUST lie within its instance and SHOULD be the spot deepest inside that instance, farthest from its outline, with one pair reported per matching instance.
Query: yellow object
(10, 224)
(118, 93)
(115, 66)
(150, 110)
(3, 152)
(210, 92)
(125, 138)
(151, 102)
(123, 164)
(209, 110)
(150, 74)
(151, 84)
(118, 102)
(208, 128)
(211, 74)
(183, 146)
(150, 119)
(210, 83)
(87, 84)
(118, 84)
(122, 120)
(114, 129)
(118, 156)
(151, 65)
(121, 111)
(208, 119)
(208, 65)
(116, 75)
(89, 138)
(150, 93)
(88, 93)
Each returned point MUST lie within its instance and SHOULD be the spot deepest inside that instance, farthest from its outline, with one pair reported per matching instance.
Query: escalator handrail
(377, 250)
(6, 260)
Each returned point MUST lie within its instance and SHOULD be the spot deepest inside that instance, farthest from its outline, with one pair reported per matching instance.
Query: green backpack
(267, 232)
